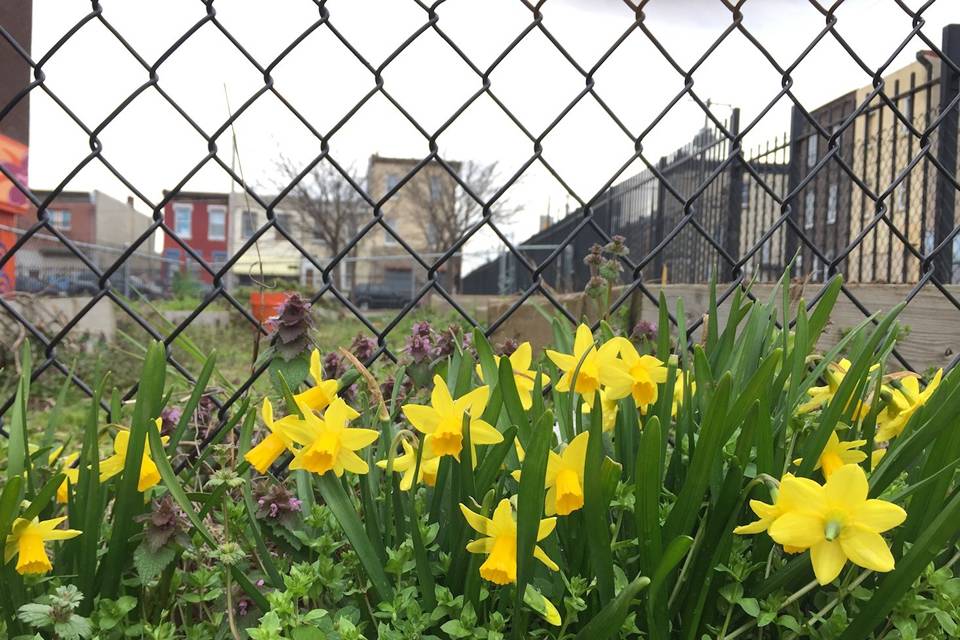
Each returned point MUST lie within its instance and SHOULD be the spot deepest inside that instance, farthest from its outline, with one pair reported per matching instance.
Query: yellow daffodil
(608, 409)
(27, 539)
(323, 392)
(876, 456)
(837, 523)
(524, 377)
(791, 490)
(149, 475)
(677, 394)
(564, 479)
(837, 453)
(406, 464)
(645, 373)
(283, 433)
(442, 420)
(73, 476)
(819, 396)
(500, 542)
(333, 443)
(904, 403)
(590, 361)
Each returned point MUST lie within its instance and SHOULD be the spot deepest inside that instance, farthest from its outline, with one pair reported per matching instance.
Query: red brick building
(201, 220)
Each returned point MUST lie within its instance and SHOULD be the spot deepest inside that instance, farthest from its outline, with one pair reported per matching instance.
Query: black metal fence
(861, 197)
(712, 206)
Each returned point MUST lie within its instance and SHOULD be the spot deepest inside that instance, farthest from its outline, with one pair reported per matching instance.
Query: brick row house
(100, 226)
(202, 221)
(218, 225)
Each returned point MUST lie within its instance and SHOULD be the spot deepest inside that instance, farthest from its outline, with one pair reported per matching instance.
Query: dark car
(30, 284)
(379, 295)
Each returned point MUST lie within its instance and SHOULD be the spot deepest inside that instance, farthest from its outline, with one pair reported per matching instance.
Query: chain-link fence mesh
(865, 186)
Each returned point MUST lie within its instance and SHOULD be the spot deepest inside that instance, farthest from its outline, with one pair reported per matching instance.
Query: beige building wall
(883, 148)
(117, 223)
(379, 257)
(273, 256)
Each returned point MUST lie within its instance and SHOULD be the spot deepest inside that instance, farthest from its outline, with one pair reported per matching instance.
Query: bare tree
(446, 210)
(326, 204)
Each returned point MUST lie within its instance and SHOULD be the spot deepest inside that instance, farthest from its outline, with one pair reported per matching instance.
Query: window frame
(245, 215)
(812, 145)
(809, 209)
(56, 217)
(220, 210)
(833, 198)
(183, 208)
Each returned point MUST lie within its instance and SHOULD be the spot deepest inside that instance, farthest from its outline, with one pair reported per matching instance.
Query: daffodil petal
(866, 548)
(546, 527)
(542, 556)
(355, 438)
(847, 487)
(797, 529)
(482, 433)
(481, 545)
(352, 462)
(828, 559)
(878, 515)
(424, 419)
(502, 518)
(476, 521)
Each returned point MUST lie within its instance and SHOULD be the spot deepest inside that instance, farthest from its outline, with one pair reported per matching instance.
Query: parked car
(30, 284)
(378, 295)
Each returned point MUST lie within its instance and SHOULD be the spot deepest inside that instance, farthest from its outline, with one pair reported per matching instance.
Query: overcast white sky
(154, 147)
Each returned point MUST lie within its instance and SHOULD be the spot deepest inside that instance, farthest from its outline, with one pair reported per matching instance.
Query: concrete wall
(51, 314)
(931, 319)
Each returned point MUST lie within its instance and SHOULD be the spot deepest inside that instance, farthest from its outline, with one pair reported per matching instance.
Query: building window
(217, 259)
(956, 259)
(815, 277)
(765, 253)
(809, 206)
(183, 220)
(248, 224)
(745, 196)
(832, 204)
(901, 201)
(283, 221)
(906, 107)
(930, 241)
(216, 222)
(60, 219)
(392, 181)
(812, 150)
(436, 188)
(387, 236)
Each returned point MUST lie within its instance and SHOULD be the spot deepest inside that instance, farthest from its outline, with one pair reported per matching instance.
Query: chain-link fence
(865, 186)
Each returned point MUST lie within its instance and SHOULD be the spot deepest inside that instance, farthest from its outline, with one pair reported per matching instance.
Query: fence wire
(866, 188)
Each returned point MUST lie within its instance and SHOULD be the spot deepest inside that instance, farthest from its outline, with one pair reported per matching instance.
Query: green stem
(804, 590)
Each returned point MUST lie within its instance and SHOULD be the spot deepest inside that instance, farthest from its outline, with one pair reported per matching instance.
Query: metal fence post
(734, 197)
(947, 153)
(791, 240)
(659, 229)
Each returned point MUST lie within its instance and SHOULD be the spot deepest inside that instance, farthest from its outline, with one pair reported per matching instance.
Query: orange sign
(13, 157)
(8, 273)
